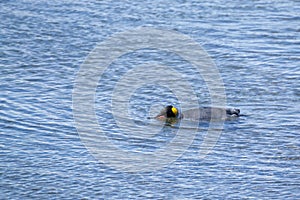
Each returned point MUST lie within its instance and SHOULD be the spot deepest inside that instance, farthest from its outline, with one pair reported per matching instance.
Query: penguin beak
(160, 117)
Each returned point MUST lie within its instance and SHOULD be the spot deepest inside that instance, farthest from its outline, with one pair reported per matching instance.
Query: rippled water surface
(255, 46)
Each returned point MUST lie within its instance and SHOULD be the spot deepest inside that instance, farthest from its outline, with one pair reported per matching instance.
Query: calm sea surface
(255, 46)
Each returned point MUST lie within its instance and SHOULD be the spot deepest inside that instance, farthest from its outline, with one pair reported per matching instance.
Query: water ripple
(255, 45)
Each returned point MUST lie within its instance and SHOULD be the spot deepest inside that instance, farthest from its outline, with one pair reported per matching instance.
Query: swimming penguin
(203, 113)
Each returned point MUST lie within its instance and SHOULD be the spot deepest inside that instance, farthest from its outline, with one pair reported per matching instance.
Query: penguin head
(168, 112)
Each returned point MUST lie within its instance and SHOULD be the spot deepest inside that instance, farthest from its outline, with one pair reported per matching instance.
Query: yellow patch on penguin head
(175, 111)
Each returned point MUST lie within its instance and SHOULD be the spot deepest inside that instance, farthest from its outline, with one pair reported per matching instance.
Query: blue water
(254, 44)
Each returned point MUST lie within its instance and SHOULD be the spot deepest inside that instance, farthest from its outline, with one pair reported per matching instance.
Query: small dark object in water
(203, 113)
